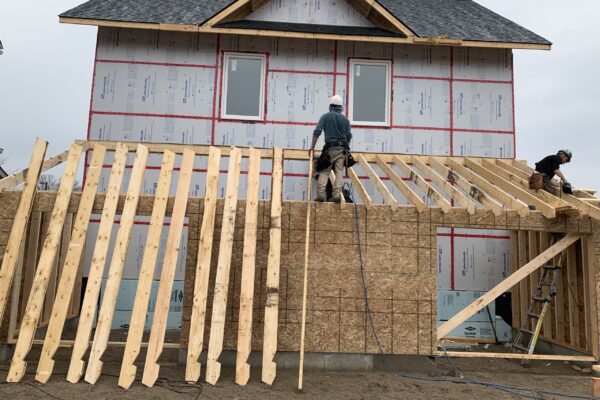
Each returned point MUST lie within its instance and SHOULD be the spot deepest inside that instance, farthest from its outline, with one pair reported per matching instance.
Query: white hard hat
(336, 100)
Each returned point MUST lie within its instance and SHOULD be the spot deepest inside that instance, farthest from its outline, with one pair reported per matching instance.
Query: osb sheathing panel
(400, 257)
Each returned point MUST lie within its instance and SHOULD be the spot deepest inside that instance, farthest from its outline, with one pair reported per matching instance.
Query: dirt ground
(381, 384)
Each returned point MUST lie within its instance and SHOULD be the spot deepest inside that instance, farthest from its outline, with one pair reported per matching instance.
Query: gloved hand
(566, 188)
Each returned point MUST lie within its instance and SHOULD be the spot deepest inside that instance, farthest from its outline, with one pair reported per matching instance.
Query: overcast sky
(46, 72)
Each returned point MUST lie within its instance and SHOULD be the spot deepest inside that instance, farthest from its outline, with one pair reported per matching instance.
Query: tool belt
(336, 143)
(324, 160)
(536, 180)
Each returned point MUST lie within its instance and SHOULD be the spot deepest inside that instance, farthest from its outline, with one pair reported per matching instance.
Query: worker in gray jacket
(337, 145)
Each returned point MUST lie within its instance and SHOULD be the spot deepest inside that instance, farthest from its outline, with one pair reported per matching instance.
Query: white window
(243, 86)
(370, 92)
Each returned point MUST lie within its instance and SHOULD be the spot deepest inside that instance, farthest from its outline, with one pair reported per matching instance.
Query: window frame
(388, 97)
(224, 86)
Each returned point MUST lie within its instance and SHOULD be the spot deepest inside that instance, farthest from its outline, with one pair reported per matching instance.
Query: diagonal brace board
(161, 310)
(117, 264)
(197, 321)
(217, 324)
(92, 290)
(144, 286)
(70, 268)
(273, 263)
(506, 284)
(45, 266)
(15, 240)
(242, 368)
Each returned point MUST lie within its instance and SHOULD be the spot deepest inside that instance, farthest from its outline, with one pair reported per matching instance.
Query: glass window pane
(369, 93)
(243, 86)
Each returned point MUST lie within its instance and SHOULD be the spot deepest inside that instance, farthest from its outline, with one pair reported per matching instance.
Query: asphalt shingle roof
(455, 19)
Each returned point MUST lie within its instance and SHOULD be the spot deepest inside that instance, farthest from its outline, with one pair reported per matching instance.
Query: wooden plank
(512, 189)
(512, 169)
(117, 264)
(446, 186)
(572, 295)
(534, 278)
(18, 177)
(475, 192)
(360, 189)
(244, 341)
(429, 190)
(589, 295)
(406, 190)
(217, 324)
(506, 284)
(19, 226)
(167, 275)
(544, 196)
(59, 261)
(506, 199)
(559, 302)
(92, 290)
(33, 241)
(44, 269)
(144, 286)
(271, 317)
(515, 292)
(305, 285)
(516, 356)
(547, 323)
(196, 337)
(71, 264)
(16, 292)
(525, 297)
(379, 185)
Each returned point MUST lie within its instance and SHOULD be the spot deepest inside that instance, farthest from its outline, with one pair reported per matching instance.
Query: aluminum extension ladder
(541, 299)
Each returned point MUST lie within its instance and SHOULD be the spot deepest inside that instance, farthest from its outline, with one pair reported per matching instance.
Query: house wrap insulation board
(159, 86)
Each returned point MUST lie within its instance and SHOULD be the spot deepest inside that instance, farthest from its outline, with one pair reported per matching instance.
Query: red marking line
(512, 75)
(467, 235)
(435, 78)
(127, 114)
(214, 108)
(156, 63)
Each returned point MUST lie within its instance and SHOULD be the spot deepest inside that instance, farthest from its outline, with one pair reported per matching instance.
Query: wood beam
(515, 356)
(379, 185)
(429, 190)
(411, 196)
(19, 177)
(357, 184)
(506, 284)
(512, 189)
(475, 192)
(144, 286)
(448, 187)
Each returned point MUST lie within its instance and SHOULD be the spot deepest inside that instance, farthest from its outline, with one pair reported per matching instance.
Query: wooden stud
(271, 317)
(16, 293)
(305, 284)
(71, 264)
(534, 278)
(589, 286)
(163, 297)
(547, 323)
(572, 295)
(512, 189)
(506, 284)
(385, 193)
(516, 356)
(144, 286)
(515, 292)
(446, 186)
(16, 238)
(429, 190)
(406, 190)
(117, 264)
(508, 200)
(360, 189)
(525, 295)
(559, 302)
(44, 269)
(475, 192)
(217, 324)
(33, 241)
(196, 336)
(92, 290)
(59, 261)
(244, 341)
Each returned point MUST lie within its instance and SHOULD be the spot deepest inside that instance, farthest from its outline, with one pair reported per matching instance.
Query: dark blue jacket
(336, 126)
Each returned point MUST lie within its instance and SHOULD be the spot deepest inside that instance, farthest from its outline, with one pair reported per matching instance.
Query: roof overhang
(209, 27)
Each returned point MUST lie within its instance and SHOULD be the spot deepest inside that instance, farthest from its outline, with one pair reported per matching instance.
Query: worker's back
(336, 125)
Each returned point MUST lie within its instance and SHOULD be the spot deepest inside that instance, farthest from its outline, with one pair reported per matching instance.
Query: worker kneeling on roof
(547, 168)
(336, 149)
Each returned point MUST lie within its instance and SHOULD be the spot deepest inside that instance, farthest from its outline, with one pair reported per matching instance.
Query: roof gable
(319, 12)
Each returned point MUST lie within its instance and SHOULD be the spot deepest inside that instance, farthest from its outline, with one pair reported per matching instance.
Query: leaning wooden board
(35, 303)
(161, 310)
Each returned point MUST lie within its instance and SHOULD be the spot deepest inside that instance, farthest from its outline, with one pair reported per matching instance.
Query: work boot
(336, 199)
(321, 198)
